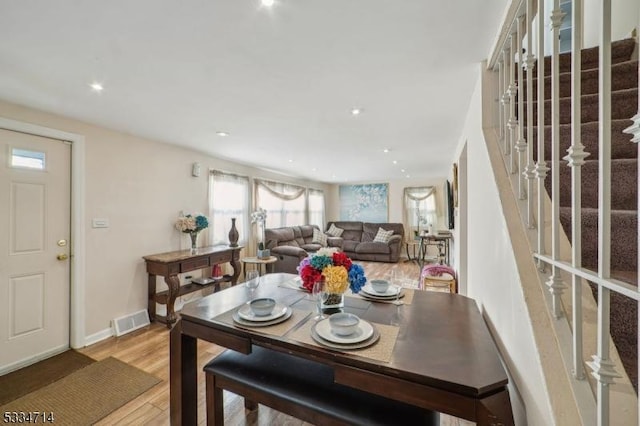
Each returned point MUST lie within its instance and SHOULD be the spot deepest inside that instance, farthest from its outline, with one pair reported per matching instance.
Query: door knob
(62, 256)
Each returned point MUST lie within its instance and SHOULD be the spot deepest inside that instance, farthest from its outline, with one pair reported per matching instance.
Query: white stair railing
(507, 55)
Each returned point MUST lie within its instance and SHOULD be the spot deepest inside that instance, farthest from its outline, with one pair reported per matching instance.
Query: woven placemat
(274, 330)
(407, 299)
(382, 350)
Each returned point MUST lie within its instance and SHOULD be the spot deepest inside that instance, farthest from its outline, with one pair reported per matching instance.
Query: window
(285, 204)
(316, 208)
(228, 198)
(27, 159)
(419, 209)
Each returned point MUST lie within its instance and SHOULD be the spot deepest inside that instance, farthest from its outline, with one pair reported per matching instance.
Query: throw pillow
(383, 236)
(334, 231)
(319, 238)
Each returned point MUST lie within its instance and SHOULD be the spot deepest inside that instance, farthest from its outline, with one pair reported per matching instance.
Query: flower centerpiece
(192, 225)
(338, 272)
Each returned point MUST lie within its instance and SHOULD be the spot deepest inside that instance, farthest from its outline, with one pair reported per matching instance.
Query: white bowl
(343, 324)
(262, 307)
(381, 286)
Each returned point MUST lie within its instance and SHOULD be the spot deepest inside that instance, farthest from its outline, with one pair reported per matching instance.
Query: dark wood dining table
(444, 358)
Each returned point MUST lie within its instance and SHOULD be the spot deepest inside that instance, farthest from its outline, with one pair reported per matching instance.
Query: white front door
(35, 197)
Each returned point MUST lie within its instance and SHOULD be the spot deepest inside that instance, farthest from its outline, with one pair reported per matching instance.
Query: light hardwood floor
(148, 349)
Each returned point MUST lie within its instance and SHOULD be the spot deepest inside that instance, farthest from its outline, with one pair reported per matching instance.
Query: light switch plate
(100, 223)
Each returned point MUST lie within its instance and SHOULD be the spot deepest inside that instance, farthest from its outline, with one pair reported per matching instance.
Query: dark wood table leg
(174, 289)
(495, 410)
(151, 302)
(183, 389)
(235, 263)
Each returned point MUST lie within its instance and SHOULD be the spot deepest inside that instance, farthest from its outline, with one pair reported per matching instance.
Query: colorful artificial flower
(337, 270)
(189, 223)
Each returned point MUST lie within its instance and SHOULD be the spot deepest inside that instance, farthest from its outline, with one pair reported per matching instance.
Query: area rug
(28, 379)
(88, 394)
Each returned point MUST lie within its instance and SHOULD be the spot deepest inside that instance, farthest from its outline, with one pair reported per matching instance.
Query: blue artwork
(366, 203)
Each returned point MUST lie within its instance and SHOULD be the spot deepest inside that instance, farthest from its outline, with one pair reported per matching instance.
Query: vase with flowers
(192, 225)
(338, 272)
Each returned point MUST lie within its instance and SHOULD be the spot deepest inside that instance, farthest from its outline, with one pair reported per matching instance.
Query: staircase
(624, 186)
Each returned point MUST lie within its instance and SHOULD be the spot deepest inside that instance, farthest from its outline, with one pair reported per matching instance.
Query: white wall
(140, 186)
(624, 18)
(493, 279)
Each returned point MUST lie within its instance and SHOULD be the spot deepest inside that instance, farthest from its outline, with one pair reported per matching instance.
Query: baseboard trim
(32, 359)
(99, 336)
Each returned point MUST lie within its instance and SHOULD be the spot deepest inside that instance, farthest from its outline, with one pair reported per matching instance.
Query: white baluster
(555, 284)
(521, 143)
(529, 62)
(603, 368)
(513, 123)
(575, 158)
(541, 168)
(505, 99)
(501, 124)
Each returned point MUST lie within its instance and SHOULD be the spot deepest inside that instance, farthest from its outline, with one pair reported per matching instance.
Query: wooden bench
(303, 389)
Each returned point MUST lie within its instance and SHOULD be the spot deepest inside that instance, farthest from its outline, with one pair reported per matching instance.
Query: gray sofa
(357, 240)
(291, 244)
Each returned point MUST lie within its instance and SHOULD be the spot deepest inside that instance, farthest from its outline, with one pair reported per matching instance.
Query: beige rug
(88, 394)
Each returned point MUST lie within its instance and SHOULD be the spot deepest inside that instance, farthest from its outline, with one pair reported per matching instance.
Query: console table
(170, 264)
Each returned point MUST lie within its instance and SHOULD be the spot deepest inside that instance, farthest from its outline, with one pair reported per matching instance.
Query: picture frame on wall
(366, 202)
(449, 216)
(454, 185)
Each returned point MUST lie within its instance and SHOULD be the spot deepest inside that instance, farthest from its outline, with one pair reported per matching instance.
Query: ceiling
(282, 81)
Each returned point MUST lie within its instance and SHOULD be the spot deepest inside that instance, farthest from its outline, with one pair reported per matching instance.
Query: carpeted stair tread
(624, 75)
(624, 184)
(621, 147)
(621, 50)
(624, 105)
(624, 237)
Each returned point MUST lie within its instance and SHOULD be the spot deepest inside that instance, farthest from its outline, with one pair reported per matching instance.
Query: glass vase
(332, 303)
(194, 240)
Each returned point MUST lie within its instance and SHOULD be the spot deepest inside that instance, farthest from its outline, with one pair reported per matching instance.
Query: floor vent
(131, 322)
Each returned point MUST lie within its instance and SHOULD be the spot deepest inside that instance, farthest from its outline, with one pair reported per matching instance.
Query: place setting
(381, 291)
(344, 331)
(261, 312)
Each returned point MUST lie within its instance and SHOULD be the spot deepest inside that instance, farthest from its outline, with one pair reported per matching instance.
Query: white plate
(254, 324)
(247, 314)
(392, 291)
(364, 332)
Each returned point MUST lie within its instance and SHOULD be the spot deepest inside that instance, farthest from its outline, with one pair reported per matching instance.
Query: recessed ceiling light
(223, 134)
(356, 111)
(408, 176)
(96, 87)
(291, 161)
(402, 170)
(314, 169)
(267, 3)
(385, 150)
(395, 161)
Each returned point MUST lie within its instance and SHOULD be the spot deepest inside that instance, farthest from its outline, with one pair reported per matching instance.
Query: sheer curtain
(228, 198)
(285, 204)
(419, 210)
(316, 208)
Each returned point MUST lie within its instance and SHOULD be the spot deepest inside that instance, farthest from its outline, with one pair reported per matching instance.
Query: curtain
(316, 208)
(228, 198)
(419, 209)
(285, 204)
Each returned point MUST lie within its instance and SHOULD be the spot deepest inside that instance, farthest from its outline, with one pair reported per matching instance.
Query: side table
(267, 261)
(170, 264)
